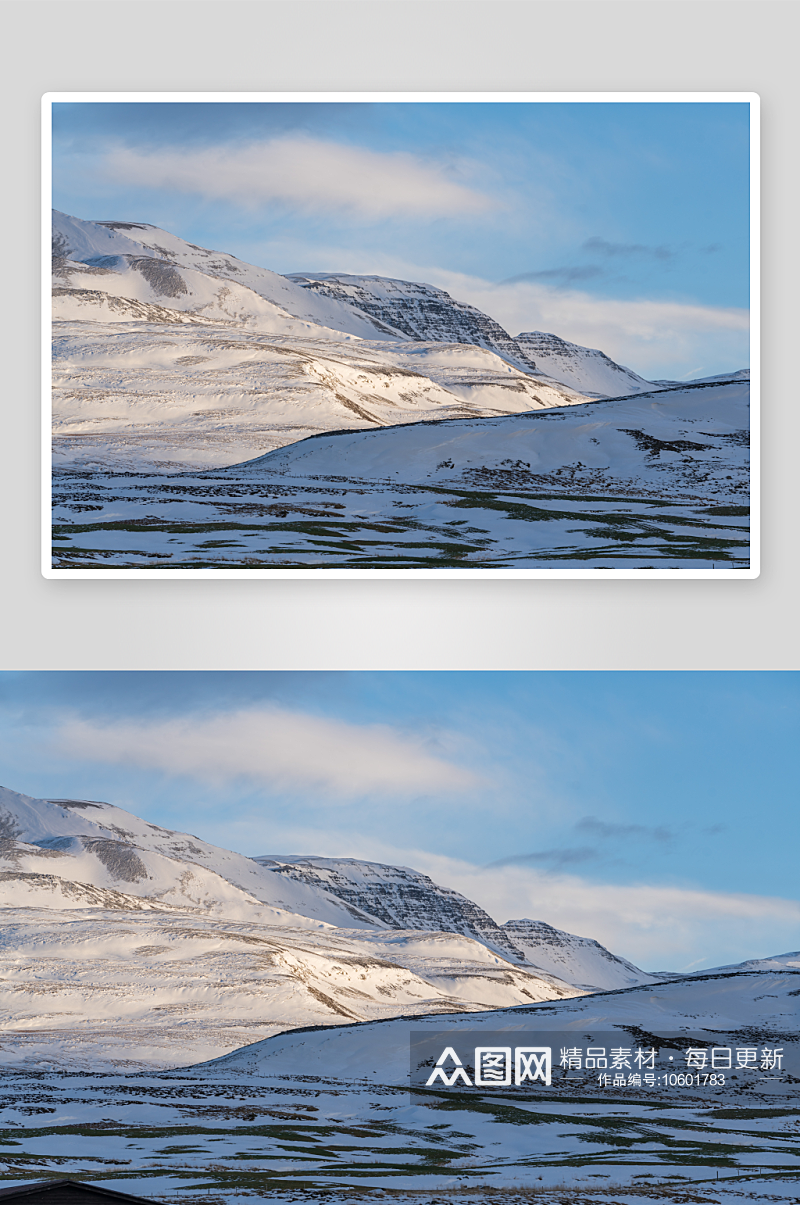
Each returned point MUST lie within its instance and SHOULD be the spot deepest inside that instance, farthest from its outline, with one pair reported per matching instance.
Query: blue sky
(620, 225)
(654, 811)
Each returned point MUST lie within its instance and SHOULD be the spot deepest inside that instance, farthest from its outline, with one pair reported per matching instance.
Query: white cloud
(303, 172)
(280, 749)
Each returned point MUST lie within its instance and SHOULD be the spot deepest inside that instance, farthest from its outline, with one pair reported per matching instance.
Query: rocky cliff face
(419, 311)
(583, 368)
(398, 897)
(405, 899)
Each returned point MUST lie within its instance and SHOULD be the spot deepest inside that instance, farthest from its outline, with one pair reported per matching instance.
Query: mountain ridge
(403, 898)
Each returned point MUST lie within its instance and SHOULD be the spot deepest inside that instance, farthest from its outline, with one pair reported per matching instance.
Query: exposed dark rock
(401, 898)
(419, 311)
(121, 859)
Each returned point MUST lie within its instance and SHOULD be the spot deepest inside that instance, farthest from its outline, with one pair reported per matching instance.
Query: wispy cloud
(305, 173)
(610, 840)
(564, 276)
(548, 857)
(279, 749)
(601, 246)
(606, 829)
(573, 274)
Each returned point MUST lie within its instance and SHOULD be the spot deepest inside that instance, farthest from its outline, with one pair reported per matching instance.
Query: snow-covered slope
(778, 962)
(741, 374)
(398, 897)
(406, 899)
(86, 842)
(418, 311)
(689, 442)
(190, 950)
(583, 368)
(120, 981)
(186, 392)
(139, 261)
(753, 1007)
(78, 853)
(171, 355)
(580, 960)
(122, 941)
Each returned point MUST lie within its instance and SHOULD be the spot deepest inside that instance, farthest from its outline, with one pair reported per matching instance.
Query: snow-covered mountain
(741, 374)
(98, 266)
(80, 853)
(418, 311)
(406, 899)
(398, 897)
(778, 962)
(587, 964)
(123, 942)
(169, 354)
(584, 368)
(107, 848)
(133, 923)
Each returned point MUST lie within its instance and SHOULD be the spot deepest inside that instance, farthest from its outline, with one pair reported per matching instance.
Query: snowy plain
(327, 1115)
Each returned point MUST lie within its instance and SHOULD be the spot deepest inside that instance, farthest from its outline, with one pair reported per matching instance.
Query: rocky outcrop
(580, 960)
(419, 311)
(398, 897)
(583, 368)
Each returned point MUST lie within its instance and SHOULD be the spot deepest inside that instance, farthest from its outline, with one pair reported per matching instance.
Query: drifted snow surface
(740, 1005)
(193, 1134)
(111, 983)
(685, 442)
(132, 395)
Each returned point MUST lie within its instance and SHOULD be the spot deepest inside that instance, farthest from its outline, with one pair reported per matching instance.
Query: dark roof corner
(68, 1192)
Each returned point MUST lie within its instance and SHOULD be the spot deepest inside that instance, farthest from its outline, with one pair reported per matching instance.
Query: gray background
(262, 45)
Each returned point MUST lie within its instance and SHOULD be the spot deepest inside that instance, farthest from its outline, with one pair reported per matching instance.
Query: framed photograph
(432, 938)
(400, 335)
